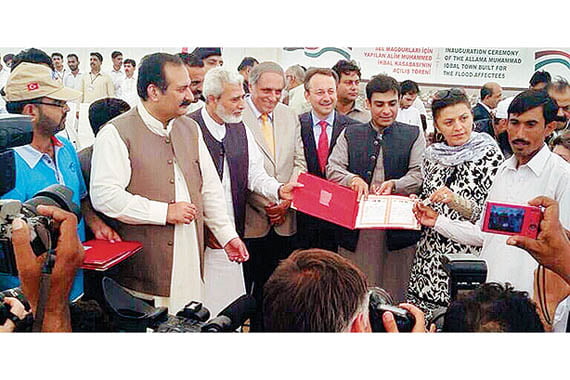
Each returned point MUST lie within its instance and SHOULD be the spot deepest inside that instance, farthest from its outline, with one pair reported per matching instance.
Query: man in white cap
(47, 160)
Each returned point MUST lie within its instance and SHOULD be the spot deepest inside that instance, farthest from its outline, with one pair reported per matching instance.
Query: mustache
(521, 141)
(185, 103)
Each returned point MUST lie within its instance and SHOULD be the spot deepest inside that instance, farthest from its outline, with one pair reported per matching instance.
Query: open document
(338, 204)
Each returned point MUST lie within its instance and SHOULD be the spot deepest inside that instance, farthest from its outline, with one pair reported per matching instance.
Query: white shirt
(419, 105)
(117, 77)
(129, 91)
(258, 180)
(59, 75)
(410, 116)
(72, 81)
(111, 174)
(545, 174)
(317, 128)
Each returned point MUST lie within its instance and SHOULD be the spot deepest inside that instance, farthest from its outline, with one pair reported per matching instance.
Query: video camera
(15, 130)
(43, 235)
(131, 314)
(466, 272)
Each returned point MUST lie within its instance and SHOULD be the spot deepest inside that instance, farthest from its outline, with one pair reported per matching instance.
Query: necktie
(267, 130)
(323, 146)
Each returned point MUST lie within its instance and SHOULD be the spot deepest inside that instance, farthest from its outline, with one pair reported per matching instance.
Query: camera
(381, 301)
(15, 130)
(23, 325)
(466, 272)
(43, 235)
(512, 219)
(131, 314)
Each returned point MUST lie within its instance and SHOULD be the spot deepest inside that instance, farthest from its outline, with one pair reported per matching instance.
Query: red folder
(326, 200)
(338, 204)
(101, 255)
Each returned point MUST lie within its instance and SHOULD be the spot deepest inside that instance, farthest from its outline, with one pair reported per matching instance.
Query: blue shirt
(34, 172)
(317, 128)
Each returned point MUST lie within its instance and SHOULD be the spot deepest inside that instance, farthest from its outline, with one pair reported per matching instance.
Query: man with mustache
(532, 171)
(559, 90)
(96, 85)
(73, 77)
(240, 167)
(269, 225)
(320, 129)
(152, 172)
(347, 89)
(196, 71)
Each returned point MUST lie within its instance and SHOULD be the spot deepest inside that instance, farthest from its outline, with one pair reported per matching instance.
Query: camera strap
(47, 267)
(541, 290)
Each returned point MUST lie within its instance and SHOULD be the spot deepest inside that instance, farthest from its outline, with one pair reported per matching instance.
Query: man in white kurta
(111, 174)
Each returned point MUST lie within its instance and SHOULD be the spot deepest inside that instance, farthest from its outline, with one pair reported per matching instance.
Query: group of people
(201, 167)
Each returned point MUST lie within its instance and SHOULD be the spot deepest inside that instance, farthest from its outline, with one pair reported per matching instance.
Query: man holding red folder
(320, 129)
(383, 156)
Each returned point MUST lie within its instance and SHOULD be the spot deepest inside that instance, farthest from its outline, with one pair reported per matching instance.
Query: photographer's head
(316, 290)
(493, 307)
(31, 90)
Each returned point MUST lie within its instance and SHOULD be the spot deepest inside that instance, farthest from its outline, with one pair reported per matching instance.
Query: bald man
(491, 95)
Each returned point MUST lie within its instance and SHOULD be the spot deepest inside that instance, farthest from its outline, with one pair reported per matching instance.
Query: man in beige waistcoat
(152, 172)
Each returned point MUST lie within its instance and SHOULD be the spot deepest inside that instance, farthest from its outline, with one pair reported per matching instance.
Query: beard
(50, 127)
(226, 116)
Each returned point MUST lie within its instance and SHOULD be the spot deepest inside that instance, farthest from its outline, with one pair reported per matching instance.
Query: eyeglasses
(61, 105)
(452, 92)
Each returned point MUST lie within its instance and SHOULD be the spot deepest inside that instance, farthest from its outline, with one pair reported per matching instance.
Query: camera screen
(508, 219)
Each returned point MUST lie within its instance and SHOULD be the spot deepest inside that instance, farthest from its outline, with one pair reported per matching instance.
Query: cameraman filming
(31, 90)
(316, 290)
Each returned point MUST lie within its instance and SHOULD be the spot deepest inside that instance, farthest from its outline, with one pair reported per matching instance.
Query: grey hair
(216, 78)
(298, 72)
(265, 67)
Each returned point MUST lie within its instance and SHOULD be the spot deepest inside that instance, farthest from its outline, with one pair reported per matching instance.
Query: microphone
(233, 316)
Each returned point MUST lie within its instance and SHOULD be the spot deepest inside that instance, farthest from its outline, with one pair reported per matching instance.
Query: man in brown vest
(152, 172)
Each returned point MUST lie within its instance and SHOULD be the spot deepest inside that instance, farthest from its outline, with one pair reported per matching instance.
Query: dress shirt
(96, 86)
(545, 174)
(409, 116)
(117, 76)
(258, 180)
(256, 111)
(72, 81)
(317, 128)
(337, 168)
(359, 114)
(129, 91)
(110, 176)
(419, 105)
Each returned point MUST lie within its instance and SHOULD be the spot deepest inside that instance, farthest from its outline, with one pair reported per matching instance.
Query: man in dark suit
(320, 129)
(491, 95)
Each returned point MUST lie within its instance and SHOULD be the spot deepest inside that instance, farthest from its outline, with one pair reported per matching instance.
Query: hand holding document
(339, 205)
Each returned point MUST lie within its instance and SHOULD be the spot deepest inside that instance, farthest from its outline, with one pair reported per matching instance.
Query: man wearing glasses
(47, 160)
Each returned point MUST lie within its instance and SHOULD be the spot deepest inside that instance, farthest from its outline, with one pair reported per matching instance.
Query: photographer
(68, 258)
(31, 90)
(316, 290)
(493, 307)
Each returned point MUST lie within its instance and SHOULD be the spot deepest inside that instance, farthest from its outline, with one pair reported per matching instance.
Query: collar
(485, 106)
(536, 164)
(255, 110)
(32, 156)
(152, 123)
(217, 130)
(329, 119)
(117, 71)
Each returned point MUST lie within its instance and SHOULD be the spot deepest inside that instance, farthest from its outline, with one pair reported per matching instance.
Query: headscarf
(474, 149)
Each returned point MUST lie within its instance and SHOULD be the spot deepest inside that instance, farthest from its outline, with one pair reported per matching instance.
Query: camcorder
(15, 130)
(43, 234)
(22, 325)
(466, 272)
(132, 314)
(380, 302)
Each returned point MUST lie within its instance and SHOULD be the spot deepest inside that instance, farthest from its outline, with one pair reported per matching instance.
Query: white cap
(502, 111)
